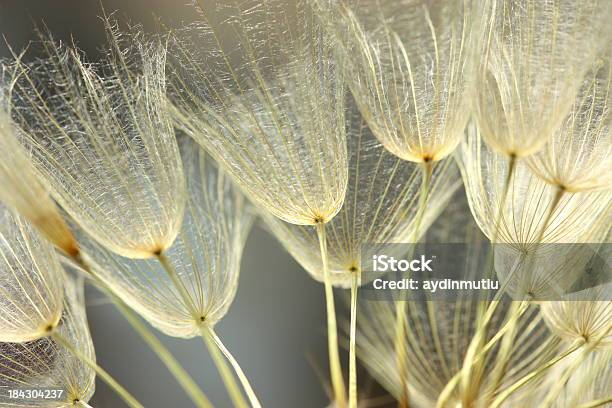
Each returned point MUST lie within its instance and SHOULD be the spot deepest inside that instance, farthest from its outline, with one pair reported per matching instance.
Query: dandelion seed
(190, 287)
(576, 159)
(408, 66)
(44, 363)
(20, 187)
(31, 281)
(537, 54)
(268, 105)
(269, 109)
(584, 316)
(532, 213)
(205, 256)
(101, 138)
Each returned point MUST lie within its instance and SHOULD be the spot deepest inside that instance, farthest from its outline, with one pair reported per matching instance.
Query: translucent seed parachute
(524, 216)
(43, 363)
(535, 57)
(20, 186)
(205, 256)
(409, 67)
(31, 281)
(268, 104)
(577, 157)
(100, 136)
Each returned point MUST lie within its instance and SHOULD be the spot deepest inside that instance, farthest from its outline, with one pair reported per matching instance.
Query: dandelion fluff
(579, 383)
(536, 57)
(436, 340)
(583, 316)
(267, 104)
(380, 207)
(44, 363)
(205, 257)
(31, 281)
(439, 332)
(408, 66)
(101, 137)
(533, 212)
(577, 158)
(20, 186)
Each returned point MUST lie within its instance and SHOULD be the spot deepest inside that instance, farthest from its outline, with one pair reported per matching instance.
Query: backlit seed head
(380, 206)
(43, 363)
(534, 61)
(205, 256)
(268, 104)
(31, 281)
(101, 137)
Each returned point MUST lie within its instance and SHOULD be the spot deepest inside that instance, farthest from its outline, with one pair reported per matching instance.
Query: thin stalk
(178, 284)
(400, 352)
(237, 369)
(352, 348)
(175, 368)
(84, 404)
(596, 403)
(226, 375)
(534, 374)
(483, 320)
(105, 376)
(332, 327)
(452, 383)
(400, 318)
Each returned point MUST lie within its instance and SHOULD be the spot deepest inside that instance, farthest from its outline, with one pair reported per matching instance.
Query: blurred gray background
(276, 326)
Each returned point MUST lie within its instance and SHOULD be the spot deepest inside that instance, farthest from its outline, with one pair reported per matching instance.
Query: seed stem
(332, 328)
(352, 348)
(226, 375)
(596, 403)
(525, 379)
(175, 368)
(400, 318)
(237, 369)
(105, 376)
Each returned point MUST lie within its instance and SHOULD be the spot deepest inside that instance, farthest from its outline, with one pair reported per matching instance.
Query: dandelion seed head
(538, 52)
(31, 281)
(101, 137)
(268, 105)
(43, 363)
(205, 255)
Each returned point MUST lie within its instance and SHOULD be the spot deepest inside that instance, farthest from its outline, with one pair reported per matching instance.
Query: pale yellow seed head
(268, 104)
(105, 145)
(31, 281)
